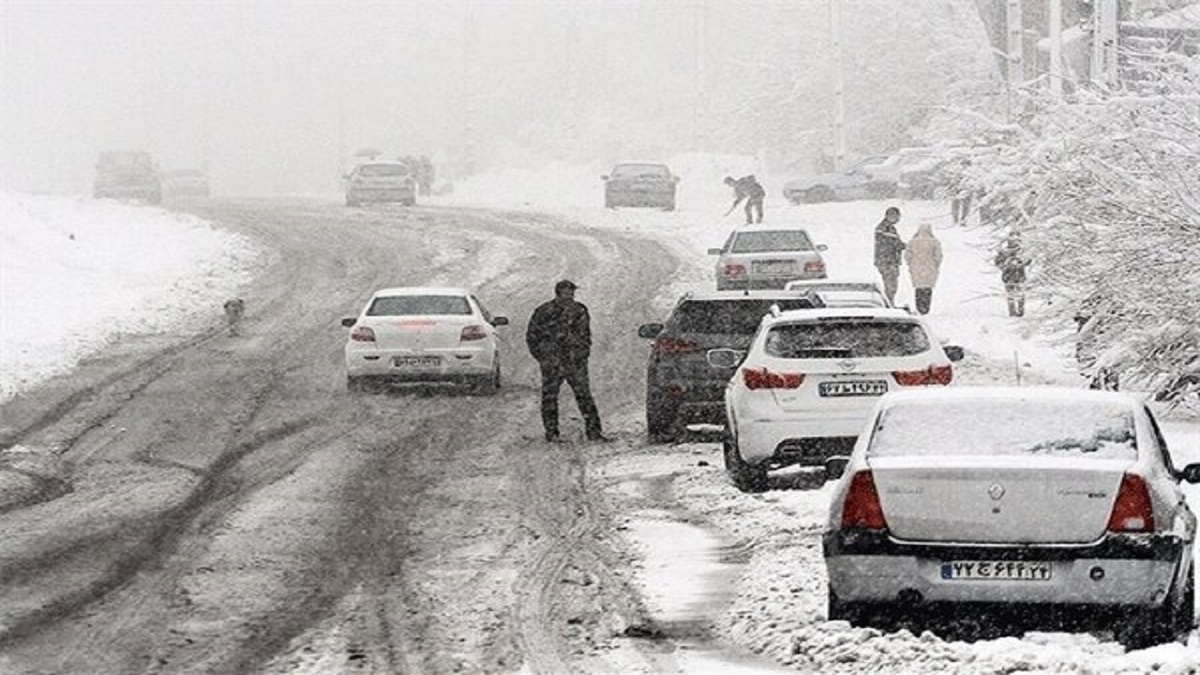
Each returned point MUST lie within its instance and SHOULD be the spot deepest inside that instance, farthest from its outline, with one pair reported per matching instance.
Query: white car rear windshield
(418, 305)
(640, 171)
(988, 428)
(382, 170)
(846, 339)
(772, 240)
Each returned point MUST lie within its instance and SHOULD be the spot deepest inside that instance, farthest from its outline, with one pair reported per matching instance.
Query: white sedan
(419, 334)
(810, 379)
(1038, 498)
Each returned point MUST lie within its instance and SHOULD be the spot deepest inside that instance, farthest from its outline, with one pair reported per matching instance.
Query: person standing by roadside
(889, 248)
(923, 254)
(1012, 263)
(559, 337)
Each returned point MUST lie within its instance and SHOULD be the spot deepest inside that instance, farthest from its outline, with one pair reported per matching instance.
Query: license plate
(996, 570)
(863, 388)
(774, 267)
(416, 361)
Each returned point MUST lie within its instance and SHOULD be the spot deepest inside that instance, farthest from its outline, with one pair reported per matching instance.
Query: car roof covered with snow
(984, 394)
(421, 290)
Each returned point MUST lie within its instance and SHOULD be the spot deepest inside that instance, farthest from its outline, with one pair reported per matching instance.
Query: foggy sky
(271, 96)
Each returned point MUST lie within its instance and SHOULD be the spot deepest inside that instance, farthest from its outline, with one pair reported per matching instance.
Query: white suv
(810, 379)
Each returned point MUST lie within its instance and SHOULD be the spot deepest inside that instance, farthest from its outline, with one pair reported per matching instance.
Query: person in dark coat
(747, 188)
(889, 248)
(1012, 263)
(559, 337)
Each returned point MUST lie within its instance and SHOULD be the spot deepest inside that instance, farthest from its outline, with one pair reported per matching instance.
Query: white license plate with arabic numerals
(997, 570)
(416, 361)
(857, 388)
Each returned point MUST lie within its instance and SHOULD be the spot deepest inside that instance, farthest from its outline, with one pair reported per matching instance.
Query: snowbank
(77, 275)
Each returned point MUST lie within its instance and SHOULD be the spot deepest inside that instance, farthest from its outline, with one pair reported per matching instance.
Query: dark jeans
(575, 374)
(924, 298)
(754, 204)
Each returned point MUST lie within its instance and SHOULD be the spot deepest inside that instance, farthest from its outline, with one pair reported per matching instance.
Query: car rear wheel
(820, 193)
(660, 419)
(1143, 628)
(855, 613)
(490, 384)
(746, 477)
(357, 385)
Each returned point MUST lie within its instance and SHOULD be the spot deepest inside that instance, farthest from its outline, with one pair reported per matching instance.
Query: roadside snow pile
(779, 610)
(76, 275)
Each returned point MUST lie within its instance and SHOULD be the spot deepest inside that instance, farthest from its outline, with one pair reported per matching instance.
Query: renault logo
(996, 491)
(847, 364)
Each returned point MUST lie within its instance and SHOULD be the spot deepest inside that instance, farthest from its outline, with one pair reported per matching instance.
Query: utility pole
(1104, 43)
(839, 85)
(1055, 32)
(1015, 75)
(700, 102)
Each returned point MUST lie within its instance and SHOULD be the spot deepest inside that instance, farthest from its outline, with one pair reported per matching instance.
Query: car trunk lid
(997, 499)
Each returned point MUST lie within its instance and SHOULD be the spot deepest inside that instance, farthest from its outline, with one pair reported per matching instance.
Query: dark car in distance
(640, 184)
(681, 386)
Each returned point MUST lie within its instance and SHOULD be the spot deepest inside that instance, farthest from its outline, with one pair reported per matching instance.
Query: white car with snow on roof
(1039, 498)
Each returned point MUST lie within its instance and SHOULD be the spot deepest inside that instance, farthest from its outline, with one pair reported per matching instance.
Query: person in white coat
(923, 254)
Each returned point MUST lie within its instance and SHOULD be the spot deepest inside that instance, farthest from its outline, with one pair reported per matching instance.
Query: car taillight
(814, 267)
(930, 375)
(472, 332)
(761, 378)
(668, 345)
(862, 509)
(732, 270)
(1132, 511)
(362, 334)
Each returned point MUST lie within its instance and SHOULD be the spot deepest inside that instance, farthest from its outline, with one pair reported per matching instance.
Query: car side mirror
(953, 352)
(1190, 473)
(714, 251)
(822, 247)
(649, 330)
(724, 357)
(499, 320)
(835, 466)
(349, 323)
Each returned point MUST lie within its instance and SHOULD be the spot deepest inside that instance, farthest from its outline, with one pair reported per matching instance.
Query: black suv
(681, 387)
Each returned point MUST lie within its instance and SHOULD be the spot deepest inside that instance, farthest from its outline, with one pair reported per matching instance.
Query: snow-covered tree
(1105, 189)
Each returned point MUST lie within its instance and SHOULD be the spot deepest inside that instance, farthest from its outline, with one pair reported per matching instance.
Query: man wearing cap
(559, 336)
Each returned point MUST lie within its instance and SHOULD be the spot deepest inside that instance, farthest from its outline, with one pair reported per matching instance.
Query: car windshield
(844, 339)
(418, 305)
(382, 170)
(771, 240)
(739, 317)
(1029, 427)
(640, 171)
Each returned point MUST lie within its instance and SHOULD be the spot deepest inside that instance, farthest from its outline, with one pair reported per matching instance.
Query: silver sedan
(1042, 498)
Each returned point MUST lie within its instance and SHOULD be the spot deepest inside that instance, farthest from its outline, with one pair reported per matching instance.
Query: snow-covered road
(56, 250)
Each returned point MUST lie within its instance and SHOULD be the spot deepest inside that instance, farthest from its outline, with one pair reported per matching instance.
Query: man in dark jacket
(1012, 263)
(889, 248)
(559, 336)
(749, 189)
